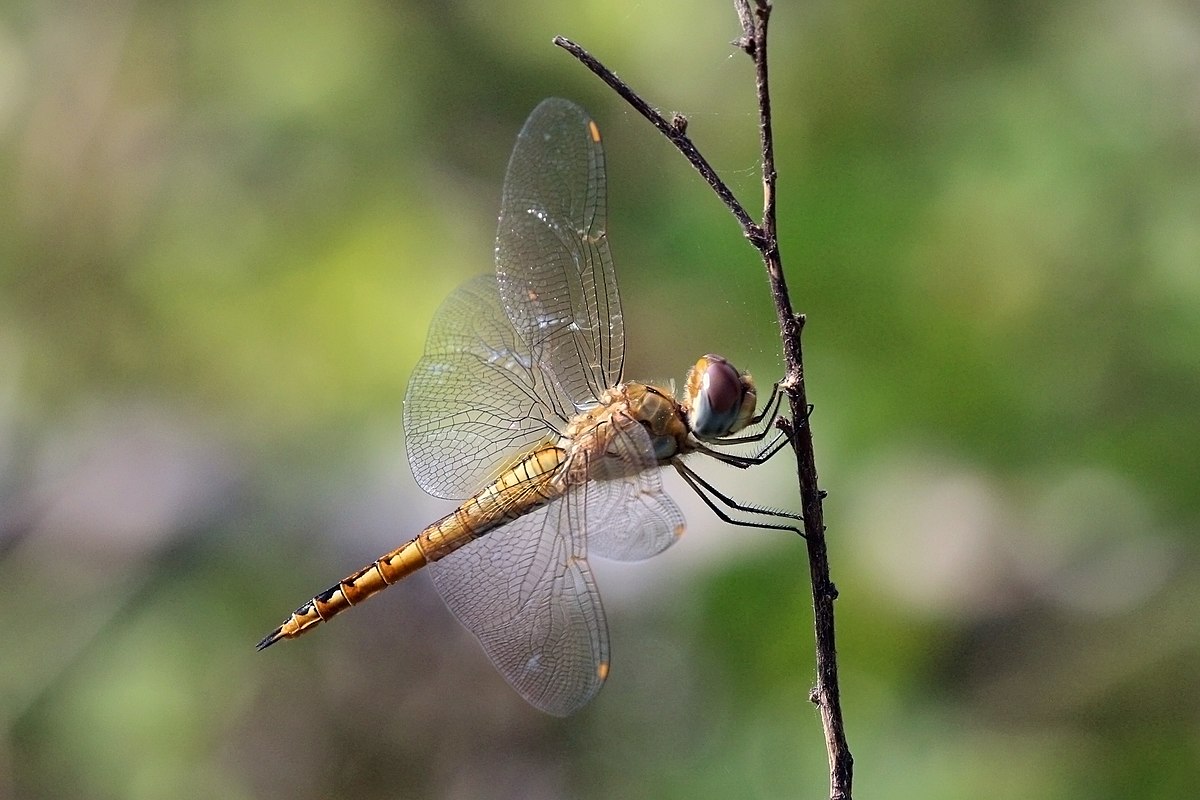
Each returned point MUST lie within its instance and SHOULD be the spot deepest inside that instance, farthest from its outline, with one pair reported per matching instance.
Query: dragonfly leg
(711, 496)
(744, 462)
(759, 425)
(770, 408)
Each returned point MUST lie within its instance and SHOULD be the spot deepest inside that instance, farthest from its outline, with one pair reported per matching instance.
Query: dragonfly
(519, 406)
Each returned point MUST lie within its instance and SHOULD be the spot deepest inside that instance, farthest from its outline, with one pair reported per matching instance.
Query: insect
(519, 406)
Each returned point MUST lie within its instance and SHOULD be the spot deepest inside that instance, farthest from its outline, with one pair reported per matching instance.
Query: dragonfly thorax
(604, 431)
(663, 418)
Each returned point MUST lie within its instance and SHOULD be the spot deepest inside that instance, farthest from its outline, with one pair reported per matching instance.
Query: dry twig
(753, 41)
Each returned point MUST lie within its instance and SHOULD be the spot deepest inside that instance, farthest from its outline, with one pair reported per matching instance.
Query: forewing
(526, 592)
(552, 257)
(477, 396)
(624, 510)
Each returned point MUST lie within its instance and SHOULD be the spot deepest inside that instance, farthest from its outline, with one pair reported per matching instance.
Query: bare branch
(753, 41)
(676, 133)
(745, 42)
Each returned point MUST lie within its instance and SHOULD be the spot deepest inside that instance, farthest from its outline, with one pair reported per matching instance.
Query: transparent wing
(525, 590)
(626, 514)
(476, 397)
(552, 258)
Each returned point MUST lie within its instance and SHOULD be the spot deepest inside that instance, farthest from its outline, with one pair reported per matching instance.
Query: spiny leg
(781, 424)
(704, 489)
(744, 462)
(769, 418)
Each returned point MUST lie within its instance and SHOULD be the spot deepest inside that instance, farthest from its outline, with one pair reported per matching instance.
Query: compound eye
(717, 395)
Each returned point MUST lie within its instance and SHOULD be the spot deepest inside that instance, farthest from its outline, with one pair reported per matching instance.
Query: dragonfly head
(719, 399)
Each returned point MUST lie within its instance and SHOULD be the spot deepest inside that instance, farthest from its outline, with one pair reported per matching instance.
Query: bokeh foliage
(225, 230)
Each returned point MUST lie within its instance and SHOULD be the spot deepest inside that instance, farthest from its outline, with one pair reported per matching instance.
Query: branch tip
(746, 18)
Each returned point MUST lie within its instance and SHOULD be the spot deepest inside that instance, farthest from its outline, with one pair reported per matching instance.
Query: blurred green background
(224, 229)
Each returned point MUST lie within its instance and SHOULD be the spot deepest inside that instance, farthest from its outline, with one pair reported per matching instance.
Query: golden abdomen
(518, 490)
